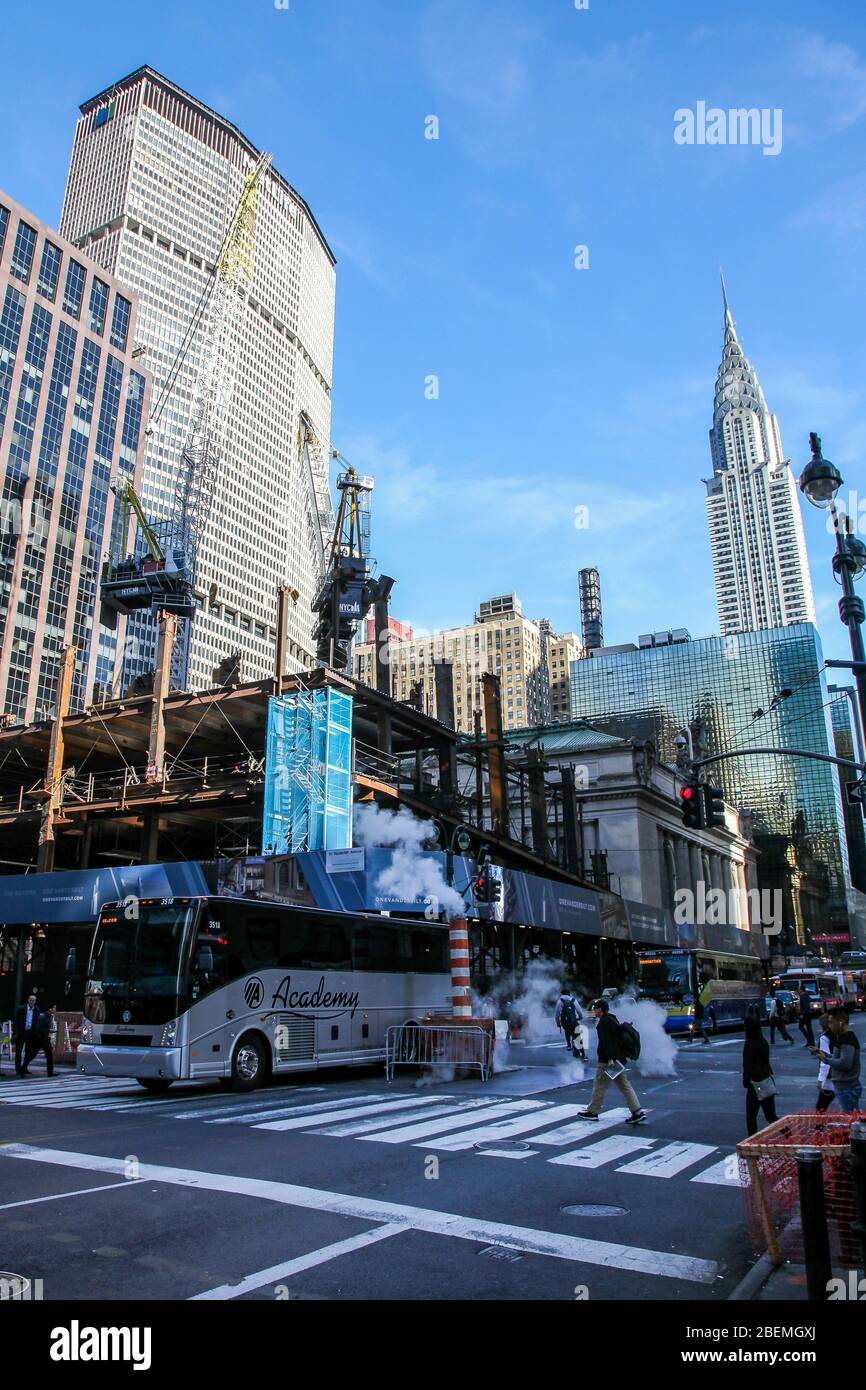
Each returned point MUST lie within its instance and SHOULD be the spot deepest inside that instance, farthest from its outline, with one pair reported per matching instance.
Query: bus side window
(328, 945)
(262, 944)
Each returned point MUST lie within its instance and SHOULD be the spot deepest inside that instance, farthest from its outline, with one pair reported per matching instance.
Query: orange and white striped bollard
(461, 999)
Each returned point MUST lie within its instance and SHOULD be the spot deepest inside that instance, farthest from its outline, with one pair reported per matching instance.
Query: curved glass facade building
(765, 688)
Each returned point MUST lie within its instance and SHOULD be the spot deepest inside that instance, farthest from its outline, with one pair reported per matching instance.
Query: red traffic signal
(691, 803)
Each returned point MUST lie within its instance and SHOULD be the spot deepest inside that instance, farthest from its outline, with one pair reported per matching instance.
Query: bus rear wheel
(155, 1084)
(249, 1064)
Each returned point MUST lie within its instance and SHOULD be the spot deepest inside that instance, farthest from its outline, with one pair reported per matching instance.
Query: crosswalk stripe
(605, 1151)
(718, 1175)
(308, 1121)
(507, 1153)
(435, 1112)
(246, 1115)
(409, 1133)
(522, 1124)
(581, 1129)
(666, 1162)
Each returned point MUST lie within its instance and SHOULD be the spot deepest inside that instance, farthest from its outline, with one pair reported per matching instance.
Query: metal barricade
(436, 1045)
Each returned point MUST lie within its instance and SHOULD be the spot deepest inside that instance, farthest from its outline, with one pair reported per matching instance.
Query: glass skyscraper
(72, 407)
(753, 689)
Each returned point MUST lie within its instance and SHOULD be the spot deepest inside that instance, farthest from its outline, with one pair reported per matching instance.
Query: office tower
(591, 624)
(72, 405)
(500, 640)
(754, 689)
(154, 179)
(562, 651)
(756, 530)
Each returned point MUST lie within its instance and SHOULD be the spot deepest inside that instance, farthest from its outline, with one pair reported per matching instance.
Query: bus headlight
(169, 1033)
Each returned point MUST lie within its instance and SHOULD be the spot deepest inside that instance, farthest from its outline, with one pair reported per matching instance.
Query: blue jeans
(849, 1096)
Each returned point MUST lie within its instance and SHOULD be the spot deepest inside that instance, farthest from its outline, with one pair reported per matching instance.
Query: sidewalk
(783, 1284)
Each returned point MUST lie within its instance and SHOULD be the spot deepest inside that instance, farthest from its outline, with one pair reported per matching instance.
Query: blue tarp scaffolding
(308, 773)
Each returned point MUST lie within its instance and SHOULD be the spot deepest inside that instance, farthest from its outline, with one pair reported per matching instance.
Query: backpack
(568, 1017)
(629, 1042)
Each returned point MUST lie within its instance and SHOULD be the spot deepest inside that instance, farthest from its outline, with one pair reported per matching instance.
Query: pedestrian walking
(610, 1067)
(568, 1016)
(26, 1019)
(826, 1089)
(758, 1078)
(844, 1061)
(777, 1020)
(41, 1039)
(805, 1016)
(701, 1000)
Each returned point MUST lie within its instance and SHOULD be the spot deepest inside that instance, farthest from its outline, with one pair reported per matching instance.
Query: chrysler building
(756, 530)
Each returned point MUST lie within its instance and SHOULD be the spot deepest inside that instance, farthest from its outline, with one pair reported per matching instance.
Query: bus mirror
(204, 961)
(72, 961)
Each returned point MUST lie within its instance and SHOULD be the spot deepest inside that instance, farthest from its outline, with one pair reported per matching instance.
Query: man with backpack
(618, 1043)
(567, 1017)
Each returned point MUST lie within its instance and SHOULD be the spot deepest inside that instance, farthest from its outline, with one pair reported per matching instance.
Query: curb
(752, 1283)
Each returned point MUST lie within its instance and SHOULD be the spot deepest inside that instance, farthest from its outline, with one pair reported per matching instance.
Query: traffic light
(494, 889)
(480, 888)
(690, 796)
(714, 807)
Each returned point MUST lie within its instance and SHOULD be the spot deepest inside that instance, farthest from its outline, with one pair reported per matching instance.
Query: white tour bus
(181, 988)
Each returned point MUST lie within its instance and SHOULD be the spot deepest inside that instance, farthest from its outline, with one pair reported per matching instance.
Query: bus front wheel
(249, 1064)
(155, 1084)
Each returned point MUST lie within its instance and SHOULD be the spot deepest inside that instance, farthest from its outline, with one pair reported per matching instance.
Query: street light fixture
(820, 481)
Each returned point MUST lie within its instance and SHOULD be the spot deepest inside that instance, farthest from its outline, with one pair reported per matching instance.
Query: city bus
(674, 976)
(187, 988)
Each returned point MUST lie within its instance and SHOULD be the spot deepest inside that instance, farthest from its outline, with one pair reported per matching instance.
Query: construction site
(152, 773)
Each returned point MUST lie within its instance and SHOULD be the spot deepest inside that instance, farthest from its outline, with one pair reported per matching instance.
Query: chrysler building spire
(756, 530)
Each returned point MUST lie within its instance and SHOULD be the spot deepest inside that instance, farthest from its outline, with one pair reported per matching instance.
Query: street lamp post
(820, 481)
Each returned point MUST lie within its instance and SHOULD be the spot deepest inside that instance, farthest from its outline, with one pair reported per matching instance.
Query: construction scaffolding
(308, 773)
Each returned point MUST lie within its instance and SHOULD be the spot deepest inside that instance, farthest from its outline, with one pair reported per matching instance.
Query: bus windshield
(141, 955)
(665, 976)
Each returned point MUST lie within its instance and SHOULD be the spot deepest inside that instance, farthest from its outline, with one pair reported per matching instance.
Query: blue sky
(559, 387)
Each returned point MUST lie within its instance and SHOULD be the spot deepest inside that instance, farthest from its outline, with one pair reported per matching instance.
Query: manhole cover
(498, 1252)
(594, 1209)
(509, 1145)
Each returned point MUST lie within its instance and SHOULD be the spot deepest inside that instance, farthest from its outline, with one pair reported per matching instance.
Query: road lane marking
(353, 1127)
(576, 1249)
(407, 1133)
(308, 1121)
(718, 1175)
(520, 1125)
(666, 1162)
(582, 1129)
(297, 1266)
(605, 1151)
(79, 1192)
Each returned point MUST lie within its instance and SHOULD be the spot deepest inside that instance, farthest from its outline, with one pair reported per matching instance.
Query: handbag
(765, 1089)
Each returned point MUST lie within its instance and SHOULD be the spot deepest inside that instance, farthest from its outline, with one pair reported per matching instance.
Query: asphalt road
(336, 1185)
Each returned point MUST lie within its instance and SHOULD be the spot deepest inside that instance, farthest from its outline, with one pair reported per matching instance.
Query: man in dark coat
(805, 1010)
(41, 1040)
(25, 1024)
